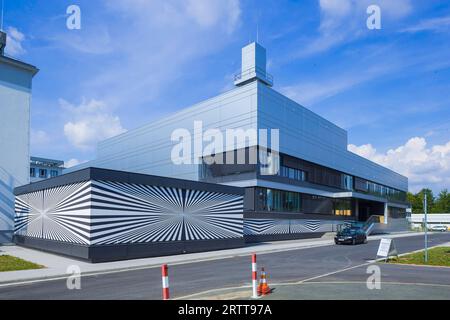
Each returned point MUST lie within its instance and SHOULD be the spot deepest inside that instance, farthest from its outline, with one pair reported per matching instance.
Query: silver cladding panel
(303, 134)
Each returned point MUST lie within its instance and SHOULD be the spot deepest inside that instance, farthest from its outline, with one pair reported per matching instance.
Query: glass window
(53, 173)
(342, 207)
(278, 200)
(42, 173)
(347, 182)
(292, 173)
(33, 172)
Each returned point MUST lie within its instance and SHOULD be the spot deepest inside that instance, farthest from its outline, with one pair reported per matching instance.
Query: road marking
(304, 281)
(307, 283)
(273, 284)
(105, 272)
(383, 283)
(268, 251)
(333, 272)
(97, 273)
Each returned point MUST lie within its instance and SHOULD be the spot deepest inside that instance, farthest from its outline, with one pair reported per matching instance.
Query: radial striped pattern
(265, 226)
(104, 212)
(285, 226)
(142, 213)
(60, 213)
(299, 226)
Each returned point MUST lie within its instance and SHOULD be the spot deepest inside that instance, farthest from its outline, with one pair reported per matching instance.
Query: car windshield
(349, 231)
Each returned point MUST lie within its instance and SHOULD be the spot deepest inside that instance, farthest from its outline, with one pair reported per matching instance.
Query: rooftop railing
(254, 72)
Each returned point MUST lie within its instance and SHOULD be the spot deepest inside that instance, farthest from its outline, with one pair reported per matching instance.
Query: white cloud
(441, 24)
(95, 40)
(14, 42)
(208, 13)
(160, 41)
(361, 67)
(39, 137)
(424, 166)
(90, 123)
(73, 162)
(344, 20)
(309, 93)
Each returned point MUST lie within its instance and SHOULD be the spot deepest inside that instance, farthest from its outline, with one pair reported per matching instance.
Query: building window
(342, 207)
(53, 173)
(32, 172)
(42, 173)
(291, 173)
(347, 182)
(278, 200)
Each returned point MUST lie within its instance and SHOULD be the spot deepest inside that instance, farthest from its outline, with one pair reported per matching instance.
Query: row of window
(348, 183)
(42, 173)
(272, 200)
(292, 173)
(277, 200)
(390, 193)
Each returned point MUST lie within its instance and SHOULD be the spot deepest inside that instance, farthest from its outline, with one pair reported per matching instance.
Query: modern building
(15, 101)
(317, 175)
(305, 185)
(42, 168)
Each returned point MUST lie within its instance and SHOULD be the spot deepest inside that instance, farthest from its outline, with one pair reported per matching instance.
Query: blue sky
(134, 61)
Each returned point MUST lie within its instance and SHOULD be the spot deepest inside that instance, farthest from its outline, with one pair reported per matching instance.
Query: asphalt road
(198, 277)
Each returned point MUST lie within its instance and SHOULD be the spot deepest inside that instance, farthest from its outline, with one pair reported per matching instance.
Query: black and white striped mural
(253, 227)
(105, 212)
(61, 213)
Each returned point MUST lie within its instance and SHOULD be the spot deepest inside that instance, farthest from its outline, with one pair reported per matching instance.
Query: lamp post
(426, 227)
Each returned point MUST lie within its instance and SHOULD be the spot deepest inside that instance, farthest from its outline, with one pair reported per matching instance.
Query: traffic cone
(263, 287)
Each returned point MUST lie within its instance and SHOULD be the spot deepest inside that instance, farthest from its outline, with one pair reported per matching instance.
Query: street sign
(387, 249)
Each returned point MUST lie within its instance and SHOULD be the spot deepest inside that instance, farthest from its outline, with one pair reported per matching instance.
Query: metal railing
(254, 72)
(367, 226)
(370, 223)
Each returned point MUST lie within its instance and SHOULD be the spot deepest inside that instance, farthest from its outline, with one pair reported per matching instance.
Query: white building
(432, 219)
(318, 177)
(15, 100)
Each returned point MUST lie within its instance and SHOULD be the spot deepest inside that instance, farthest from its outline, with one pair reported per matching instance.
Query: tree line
(435, 204)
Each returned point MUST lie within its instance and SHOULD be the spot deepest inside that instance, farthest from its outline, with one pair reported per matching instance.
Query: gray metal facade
(252, 104)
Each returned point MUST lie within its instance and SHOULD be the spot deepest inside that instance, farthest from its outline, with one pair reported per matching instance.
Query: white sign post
(387, 249)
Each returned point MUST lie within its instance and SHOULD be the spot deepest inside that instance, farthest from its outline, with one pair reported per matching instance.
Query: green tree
(442, 203)
(416, 204)
(417, 199)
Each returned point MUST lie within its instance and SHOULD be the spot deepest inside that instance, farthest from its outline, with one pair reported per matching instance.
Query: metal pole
(426, 228)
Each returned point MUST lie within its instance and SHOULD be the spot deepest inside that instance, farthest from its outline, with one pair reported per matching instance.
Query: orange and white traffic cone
(263, 287)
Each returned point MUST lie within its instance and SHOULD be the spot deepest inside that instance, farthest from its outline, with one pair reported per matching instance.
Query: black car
(351, 236)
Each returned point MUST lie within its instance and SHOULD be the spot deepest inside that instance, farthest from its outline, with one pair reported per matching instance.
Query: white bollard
(165, 282)
(254, 277)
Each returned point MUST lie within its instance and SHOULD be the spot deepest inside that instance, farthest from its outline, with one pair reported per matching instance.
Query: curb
(320, 243)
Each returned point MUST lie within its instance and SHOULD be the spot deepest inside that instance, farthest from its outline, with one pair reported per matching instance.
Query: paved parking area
(317, 266)
(398, 282)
